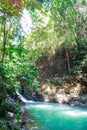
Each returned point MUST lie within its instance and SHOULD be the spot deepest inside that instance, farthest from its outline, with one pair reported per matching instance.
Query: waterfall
(23, 99)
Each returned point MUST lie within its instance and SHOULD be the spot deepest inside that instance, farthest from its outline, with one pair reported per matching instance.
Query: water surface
(51, 116)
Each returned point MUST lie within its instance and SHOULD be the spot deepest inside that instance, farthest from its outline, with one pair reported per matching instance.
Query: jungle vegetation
(59, 29)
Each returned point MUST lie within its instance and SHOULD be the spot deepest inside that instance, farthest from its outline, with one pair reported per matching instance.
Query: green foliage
(8, 7)
(3, 125)
(84, 2)
(16, 112)
(16, 61)
(79, 50)
(57, 24)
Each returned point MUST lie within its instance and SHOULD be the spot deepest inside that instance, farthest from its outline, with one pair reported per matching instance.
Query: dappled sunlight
(43, 70)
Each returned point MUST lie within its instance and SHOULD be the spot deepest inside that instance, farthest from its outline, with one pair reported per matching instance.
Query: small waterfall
(23, 99)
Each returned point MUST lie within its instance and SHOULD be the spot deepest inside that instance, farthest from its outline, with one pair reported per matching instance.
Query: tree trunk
(4, 48)
(4, 39)
(68, 62)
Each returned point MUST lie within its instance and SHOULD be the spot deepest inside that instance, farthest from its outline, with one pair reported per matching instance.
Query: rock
(23, 122)
(23, 128)
(72, 104)
(11, 114)
(15, 121)
(60, 98)
(10, 99)
(75, 103)
(22, 110)
(83, 105)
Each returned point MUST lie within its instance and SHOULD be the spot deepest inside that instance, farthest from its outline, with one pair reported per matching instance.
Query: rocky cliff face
(69, 93)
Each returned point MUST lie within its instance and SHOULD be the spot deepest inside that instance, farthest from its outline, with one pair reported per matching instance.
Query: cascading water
(23, 99)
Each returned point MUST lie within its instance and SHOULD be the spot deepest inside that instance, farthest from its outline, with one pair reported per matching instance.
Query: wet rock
(83, 105)
(22, 110)
(75, 103)
(23, 122)
(11, 115)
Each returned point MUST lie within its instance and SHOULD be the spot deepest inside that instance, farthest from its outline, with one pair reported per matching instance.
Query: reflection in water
(58, 117)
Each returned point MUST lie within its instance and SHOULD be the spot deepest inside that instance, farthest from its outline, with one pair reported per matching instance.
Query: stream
(52, 116)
